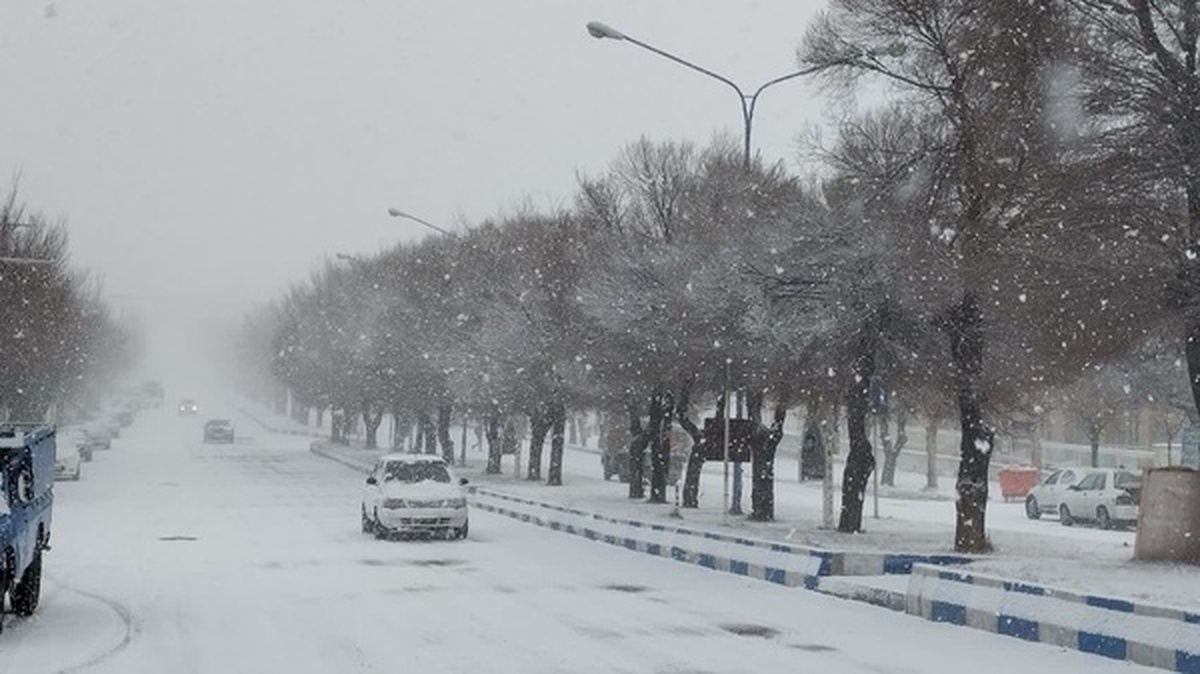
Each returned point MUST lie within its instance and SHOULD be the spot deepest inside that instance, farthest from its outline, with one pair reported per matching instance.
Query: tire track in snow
(127, 618)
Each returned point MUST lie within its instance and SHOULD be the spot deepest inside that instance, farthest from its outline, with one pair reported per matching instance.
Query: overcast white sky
(218, 150)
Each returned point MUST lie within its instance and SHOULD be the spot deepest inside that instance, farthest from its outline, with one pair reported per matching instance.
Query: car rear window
(1128, 480)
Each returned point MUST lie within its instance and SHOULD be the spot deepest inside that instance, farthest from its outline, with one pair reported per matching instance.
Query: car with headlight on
(188, 407)
(414, 494)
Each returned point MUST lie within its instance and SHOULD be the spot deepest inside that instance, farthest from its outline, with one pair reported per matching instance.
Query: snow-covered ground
(174, 556)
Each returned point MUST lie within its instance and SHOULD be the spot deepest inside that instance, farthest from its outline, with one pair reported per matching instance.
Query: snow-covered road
(174, 556)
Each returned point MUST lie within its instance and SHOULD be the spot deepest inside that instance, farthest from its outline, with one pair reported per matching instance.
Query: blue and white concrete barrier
(1116, 628)
(772, 561)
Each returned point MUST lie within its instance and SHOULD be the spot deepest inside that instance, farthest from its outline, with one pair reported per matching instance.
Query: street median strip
(1121, 629)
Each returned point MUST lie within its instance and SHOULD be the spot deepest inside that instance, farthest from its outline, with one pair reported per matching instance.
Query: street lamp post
(397, 213)
(748, 101)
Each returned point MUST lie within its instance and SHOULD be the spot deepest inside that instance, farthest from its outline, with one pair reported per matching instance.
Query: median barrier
(772, 561)
(1121, 629)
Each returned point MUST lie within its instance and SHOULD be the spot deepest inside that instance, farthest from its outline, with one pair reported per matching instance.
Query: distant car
(188, 408)
(414, 493)
(98, 436)
(1108, 497)
(218, 430)
(68, 465)
(75, 439)
(1045, 497)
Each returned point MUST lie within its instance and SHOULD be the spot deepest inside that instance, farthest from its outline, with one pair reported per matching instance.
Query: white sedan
(414, 493)
(1105, 496)
(68, 465)
(1045, 497)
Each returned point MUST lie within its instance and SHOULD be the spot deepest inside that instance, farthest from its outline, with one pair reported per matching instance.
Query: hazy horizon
(205, 156)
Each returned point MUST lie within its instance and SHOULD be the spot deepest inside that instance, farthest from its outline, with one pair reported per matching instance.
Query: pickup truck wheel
(28, 591)
(462, 531)
(368, 526)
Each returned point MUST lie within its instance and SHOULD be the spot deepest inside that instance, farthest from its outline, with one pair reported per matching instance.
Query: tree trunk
(493, 443)
(539, 426)
(558, 420)
(429, 433)
(350, 423)
(585, 431)
(762, 469)
(371, 421)
(443, 433)
(1094, 440)
(637, 454)
(891, 450)
(931, 455)
(966, 351)
(336, 428)
(860, 460)
(1037, 453)
(695, 463)
(660, 446)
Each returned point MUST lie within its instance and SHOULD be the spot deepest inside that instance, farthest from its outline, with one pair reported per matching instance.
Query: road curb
(1120, 629)
(780, 563)
(322, 449)
(254, 416)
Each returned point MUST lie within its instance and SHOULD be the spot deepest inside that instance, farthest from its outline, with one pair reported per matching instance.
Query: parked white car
(414, 493)
(68, 465)
(75, 438)
(1108, 497)
(1045, 497)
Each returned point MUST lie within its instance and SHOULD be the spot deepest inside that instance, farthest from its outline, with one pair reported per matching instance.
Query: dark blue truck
(26, 500)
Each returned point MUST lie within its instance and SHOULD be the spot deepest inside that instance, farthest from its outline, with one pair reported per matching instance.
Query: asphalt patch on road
(750, 630)
(425, 563)
(176, 538)
(619, 587)
(420, 563)
(813, 648)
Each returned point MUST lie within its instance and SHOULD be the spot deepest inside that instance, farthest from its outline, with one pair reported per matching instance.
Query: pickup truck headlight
(394, 503)
(460, 502)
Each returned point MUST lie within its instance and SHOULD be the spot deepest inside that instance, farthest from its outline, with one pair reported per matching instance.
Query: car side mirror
(371, 479)
(464, 481)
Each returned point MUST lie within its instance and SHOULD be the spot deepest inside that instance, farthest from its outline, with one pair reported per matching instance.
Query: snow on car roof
(15, 441)
(412, 458)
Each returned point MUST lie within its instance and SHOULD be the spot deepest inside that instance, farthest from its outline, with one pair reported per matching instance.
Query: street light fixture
(602, 31)
(397, 213)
